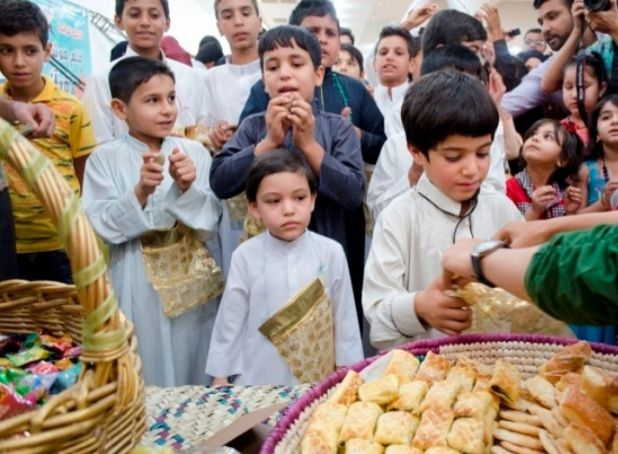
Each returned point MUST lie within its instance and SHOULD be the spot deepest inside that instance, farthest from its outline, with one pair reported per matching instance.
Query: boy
(290, 59)
(449, 119)
(394, 62)
(270, 269)
(144, 22)
(228, 85)
(172, 187)
(24, 48)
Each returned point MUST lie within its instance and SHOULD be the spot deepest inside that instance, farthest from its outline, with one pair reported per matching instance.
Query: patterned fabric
(73, 138)
(596, 181)
(519, 189)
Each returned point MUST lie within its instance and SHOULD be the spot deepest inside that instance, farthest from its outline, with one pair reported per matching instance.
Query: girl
(595, 85)
(270, 269)
(549, 185)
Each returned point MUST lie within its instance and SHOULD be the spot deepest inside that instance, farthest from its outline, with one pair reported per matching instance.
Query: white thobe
(409, 239)
(190, 99)
(266, 273)
(386, 102)
(172, 349)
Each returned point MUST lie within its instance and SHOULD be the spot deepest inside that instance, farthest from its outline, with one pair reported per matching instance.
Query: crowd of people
(240, 195)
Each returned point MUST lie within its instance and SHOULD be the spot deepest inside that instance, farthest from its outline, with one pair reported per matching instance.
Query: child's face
(22, 57)
(392, 61)
(145, 23)
(348, 65)
(284, 203)
(457, 166)
(592, 91)
(542, 147)
(607, 124)
(290, 70)
(151, 112)
(325, 30)
(239, 23)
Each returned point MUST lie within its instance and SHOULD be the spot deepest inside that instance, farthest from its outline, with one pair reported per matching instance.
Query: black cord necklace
(605, 171)
(459, 218)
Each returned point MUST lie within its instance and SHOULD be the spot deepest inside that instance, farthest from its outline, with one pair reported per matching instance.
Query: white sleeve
(97, 102)
(496, 177)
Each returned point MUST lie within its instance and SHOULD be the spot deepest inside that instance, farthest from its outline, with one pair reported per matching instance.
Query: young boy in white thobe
(145, 182)
(270, 269)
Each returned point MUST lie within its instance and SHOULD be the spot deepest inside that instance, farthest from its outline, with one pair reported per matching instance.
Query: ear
(253, 211)
(48, 50)
(417, 155)
(119, 108)
(167, 25)
(319, 76)
(602, 89)
(118, 22)
(313, 197)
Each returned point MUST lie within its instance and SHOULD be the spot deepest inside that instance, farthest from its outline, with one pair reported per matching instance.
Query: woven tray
(527, 352)
(104, 410)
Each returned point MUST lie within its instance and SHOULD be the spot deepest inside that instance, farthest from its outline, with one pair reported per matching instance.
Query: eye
(482, 154)
(300, 198)
(271, 201)
(451, 158)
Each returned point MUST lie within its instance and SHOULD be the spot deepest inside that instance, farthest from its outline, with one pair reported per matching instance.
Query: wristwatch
(483, 250)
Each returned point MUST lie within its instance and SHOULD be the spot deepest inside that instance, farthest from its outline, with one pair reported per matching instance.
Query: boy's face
(392, 61)
(348, 65)
(238, 21)
(151, 112)
(284, 203)
(457, 166)
(325, 30)
(145, 23)
(290, 70)
(22, 57)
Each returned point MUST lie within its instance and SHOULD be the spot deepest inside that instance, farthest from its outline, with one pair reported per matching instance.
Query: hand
(491, 16)
(419, 16)
(303, 123)
(38, 116)
(277, 119)
(490, 54)
(542, 198)
(415, 173)
(151, 176)
(220, 381)
(525, 234)
(578, 11)
(221, 133)
(182, 169)
(496, 87)
(346, 114)
(444, 313)
(456, 260)
(573, 199)
(605, 21)
(610, 188)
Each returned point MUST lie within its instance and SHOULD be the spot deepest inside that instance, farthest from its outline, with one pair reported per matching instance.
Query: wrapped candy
(11, 404)
(66, 379)
(43, 367)
(29, 355)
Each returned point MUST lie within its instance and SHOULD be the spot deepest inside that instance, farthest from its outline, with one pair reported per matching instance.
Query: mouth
(472, 186)
(241, 36)
(287, 89)
(290, 225)
(21, 75)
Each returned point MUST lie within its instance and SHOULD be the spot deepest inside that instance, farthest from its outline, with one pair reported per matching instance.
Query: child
(595, 85)
(24, 48)
(228, 85)
(269, 269)
(144, 22)
(138, 188)
(547, 187)
(449, 119)
(394, 56)
(349, 62)
(290, 58)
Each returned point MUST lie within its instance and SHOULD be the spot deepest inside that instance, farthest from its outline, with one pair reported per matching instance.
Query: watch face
(487, 246)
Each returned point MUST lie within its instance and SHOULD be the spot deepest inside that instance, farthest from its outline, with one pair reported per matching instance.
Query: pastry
(360, 421)
(382, 391)
(505, 381)
(433, 428)
(473, 404)
(434, 368)
(520, 427)
(347, 391)
(464, 374)
(583, 441)
(466, 435)
(359, 446)
(395, 427)
(323, 430)
(403, 365)
(583, 410)
(541, 391)
(402, 449)
(441, 394)
(568, 359)
(410, 396)
(515, 438)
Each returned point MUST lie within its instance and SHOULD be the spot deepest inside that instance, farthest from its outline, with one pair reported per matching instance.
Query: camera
(597, 5)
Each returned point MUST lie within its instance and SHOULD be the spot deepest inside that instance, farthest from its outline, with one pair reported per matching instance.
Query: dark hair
(454, 56)
(451, 27)
(290, 36)
(397, 30)
(120, 7)
(595, 146)
(347, 32)
(354, 53)
(255, 5)
(538, 3)
(571, 151)
(277, 161)
(446, 103)
(131, 72)
(17, 16)
(512, 70)
(319, 8)
(533, 30)
(533, 53)
(593, 63)
(208, 39)
(209, 52)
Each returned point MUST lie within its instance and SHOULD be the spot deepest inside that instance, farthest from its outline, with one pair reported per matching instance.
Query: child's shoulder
(325, 242)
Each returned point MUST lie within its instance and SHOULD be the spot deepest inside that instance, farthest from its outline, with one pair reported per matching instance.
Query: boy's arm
(257, 101)
(81, 140)
(348, 345)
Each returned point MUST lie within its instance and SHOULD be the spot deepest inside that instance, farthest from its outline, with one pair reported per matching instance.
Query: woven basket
(104, 411)
(527, 352)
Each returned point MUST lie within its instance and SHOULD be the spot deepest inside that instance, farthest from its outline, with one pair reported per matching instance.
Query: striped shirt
(72, 138)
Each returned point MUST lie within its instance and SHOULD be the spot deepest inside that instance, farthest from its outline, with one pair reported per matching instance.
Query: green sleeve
(574, 277)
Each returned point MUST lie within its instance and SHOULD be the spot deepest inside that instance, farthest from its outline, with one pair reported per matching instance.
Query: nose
(288, 207)
(237, 19)
(284, 71)
(19, 59)
(470, 166)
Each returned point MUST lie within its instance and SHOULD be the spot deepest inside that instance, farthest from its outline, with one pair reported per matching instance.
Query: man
(533, 40)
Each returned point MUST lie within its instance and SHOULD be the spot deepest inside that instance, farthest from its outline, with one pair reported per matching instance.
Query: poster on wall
(69, 35)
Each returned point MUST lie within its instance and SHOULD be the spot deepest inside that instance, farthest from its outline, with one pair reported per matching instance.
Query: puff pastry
(323, 429)
(434, 368)
(359, 446)
(583, 441)
(541, 391)
(382, 391)
(569, 359)
(441, 394)
(347, 391)
(464, 374)
(433, 428)
(410, 396)
(360, 421)
(402, 449)
(583, 410)
(395, 428)
(403, 365)
(441, 450)
(467, 435)
(505, 381)
(473, 404)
